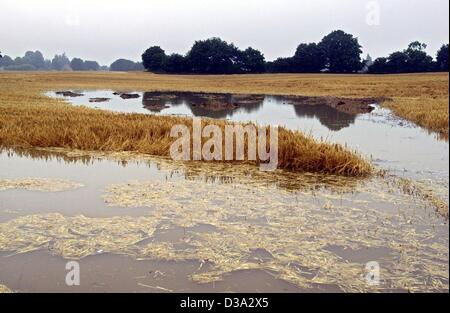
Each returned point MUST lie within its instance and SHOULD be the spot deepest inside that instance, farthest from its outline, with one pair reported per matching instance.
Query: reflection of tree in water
(221, 106)
(203, 104)
(156, 101)
(328, 116)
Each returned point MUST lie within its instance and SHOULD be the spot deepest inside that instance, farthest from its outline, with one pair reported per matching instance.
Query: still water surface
(390, 142)
(155, 226)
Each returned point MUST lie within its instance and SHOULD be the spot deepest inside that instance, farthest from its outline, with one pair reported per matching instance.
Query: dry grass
(421, 98)
(430, 113)
(27, 118)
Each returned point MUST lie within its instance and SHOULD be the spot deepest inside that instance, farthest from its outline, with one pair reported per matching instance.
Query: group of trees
(411, 60)
(78, 64)
(30, 61)
(338, 52)
(211, 56)
(35, 61)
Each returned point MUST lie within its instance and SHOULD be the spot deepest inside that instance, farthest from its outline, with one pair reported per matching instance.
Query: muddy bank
(349, 106)
(221, 102)
(213, 102)
(125, 95)
(229, 102)
(99, 99)
(68, 93)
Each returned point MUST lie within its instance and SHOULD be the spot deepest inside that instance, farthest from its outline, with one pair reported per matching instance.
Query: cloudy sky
(105, 30)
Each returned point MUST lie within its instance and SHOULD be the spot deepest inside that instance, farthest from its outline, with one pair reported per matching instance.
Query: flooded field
(147, 224)
(155, 226)
(391, 143)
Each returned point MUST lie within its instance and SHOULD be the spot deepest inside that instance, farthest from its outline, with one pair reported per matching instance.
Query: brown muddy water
(147, 224)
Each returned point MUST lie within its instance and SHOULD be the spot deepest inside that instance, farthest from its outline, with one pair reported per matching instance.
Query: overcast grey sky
(105, 30)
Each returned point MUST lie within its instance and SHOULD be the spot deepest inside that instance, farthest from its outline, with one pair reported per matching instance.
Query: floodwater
(155, 226)
(391, 143)
(147, 224)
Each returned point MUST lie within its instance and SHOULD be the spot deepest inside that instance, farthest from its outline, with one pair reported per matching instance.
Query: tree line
(337, 52)
(412, 59)
(210, 56)
(35, 61)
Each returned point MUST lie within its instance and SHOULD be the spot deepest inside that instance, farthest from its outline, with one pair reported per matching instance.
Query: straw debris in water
(4, 289)
(256, 226)
(39, 184)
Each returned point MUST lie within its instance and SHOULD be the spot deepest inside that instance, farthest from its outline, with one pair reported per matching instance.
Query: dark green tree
(442, 58)
(213, 56)
(251, 61)
(308, 58)
(153, 59)
(342, 52)
(398, 62)
(379, 66)
(413, 59)
(175, 63)
(418, 60)
(280, 65)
